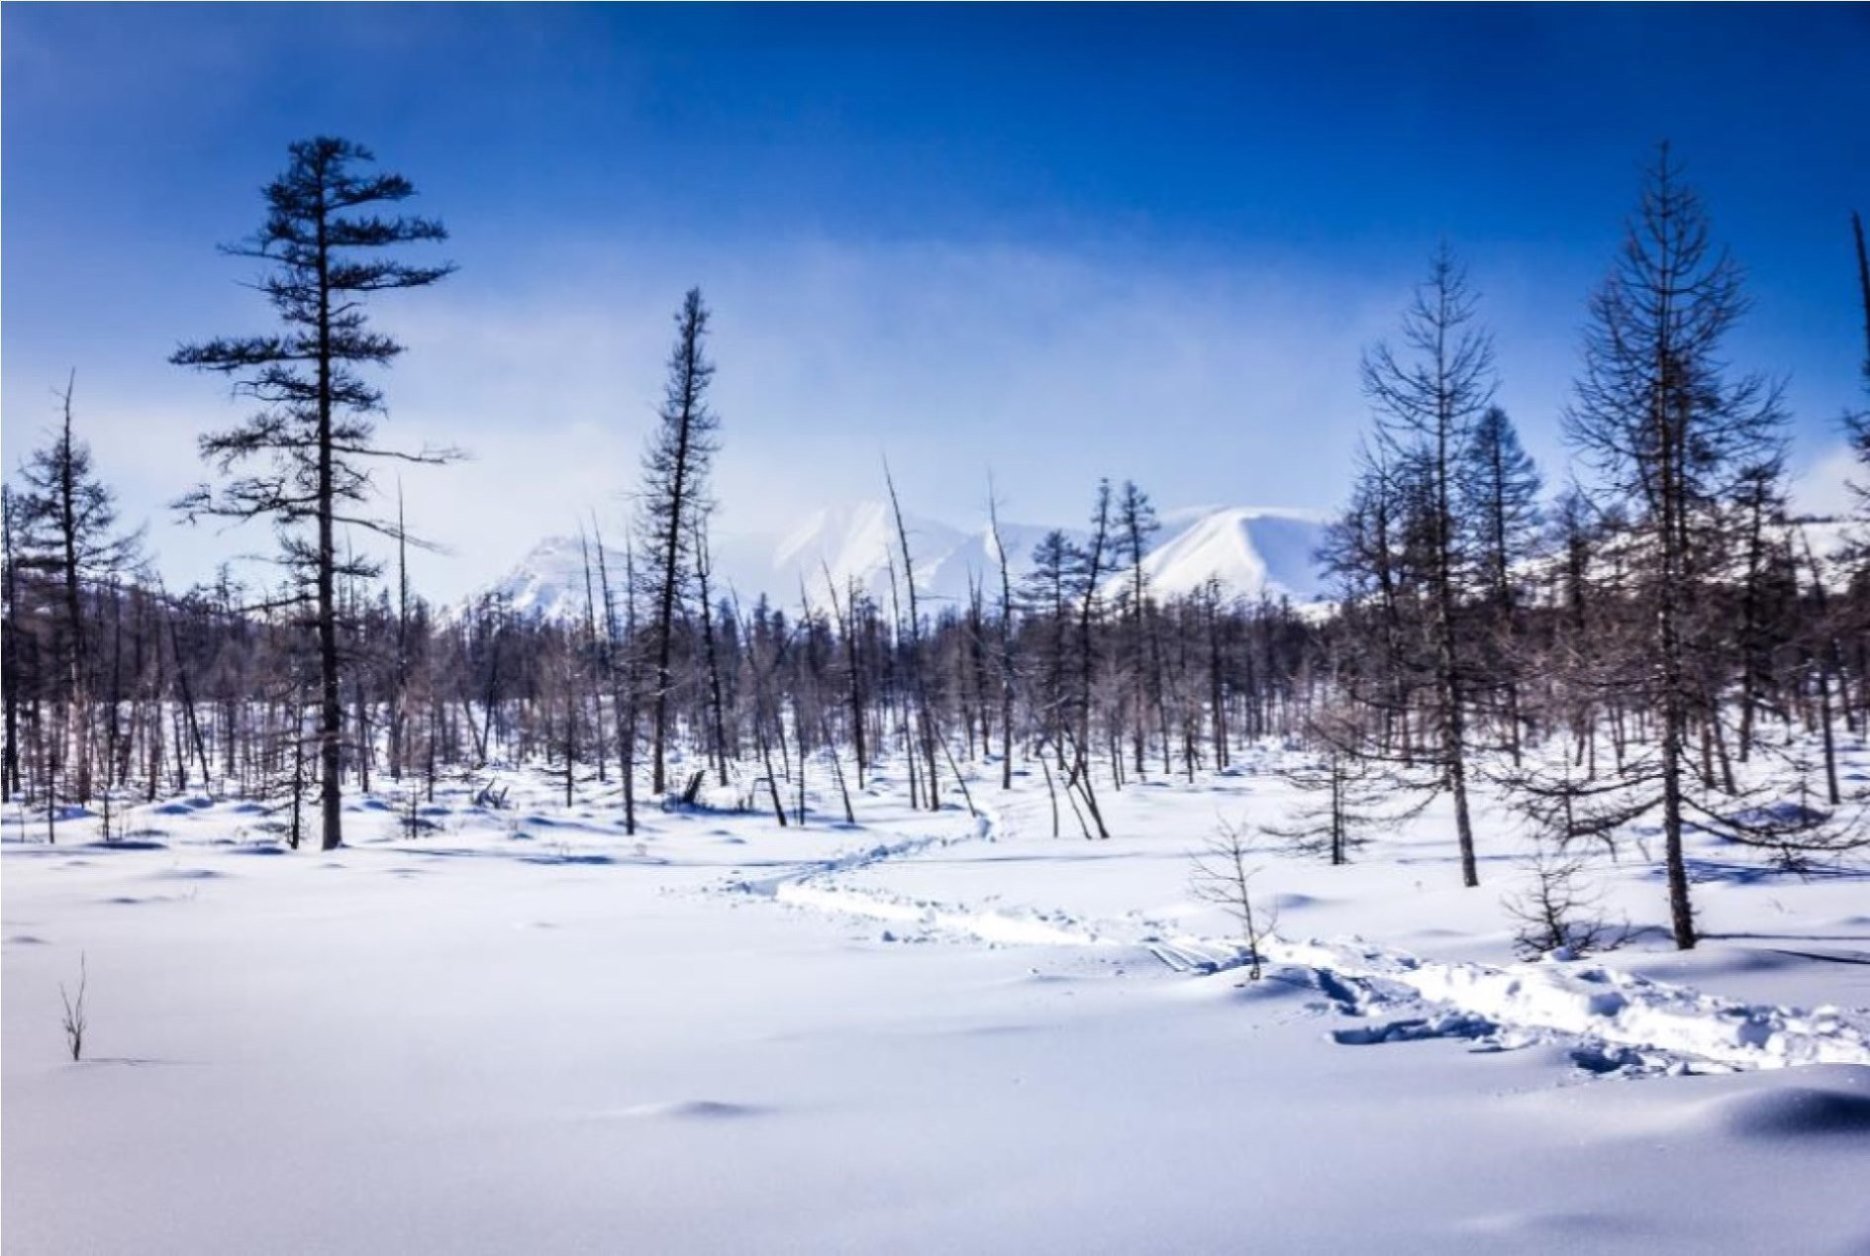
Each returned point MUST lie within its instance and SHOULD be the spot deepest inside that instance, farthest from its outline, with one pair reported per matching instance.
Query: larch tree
(68, 535)
(1137, 526)
(1499, 504)
(923, 717)
(1430, 398)
(1003, 638)
(1858, 423)
(12, 674)
(1093, 565)
(673, 500)
(1658, 417)
(1363, 553)
(710, 653)
(303, 460)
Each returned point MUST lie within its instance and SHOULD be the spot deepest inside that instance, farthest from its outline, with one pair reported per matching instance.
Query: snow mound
(1607, 1006)
(693, 1110)
(1800, 1112)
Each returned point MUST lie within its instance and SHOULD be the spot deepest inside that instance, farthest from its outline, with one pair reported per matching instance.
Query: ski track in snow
(1614, 1022)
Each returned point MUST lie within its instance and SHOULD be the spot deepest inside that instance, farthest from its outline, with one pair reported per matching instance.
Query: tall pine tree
(308, 450)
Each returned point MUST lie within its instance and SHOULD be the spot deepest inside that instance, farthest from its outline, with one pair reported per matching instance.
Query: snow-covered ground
(933, 1033)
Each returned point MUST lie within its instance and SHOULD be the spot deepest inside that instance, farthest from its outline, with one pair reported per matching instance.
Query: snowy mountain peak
(855, 541)
(1249, 550)
(550, 580)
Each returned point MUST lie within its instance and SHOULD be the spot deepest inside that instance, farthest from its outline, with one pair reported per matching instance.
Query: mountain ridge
(1249, 550)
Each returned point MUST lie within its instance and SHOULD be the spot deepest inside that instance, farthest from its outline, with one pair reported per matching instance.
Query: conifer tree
(673, 503)
(307, 453)
(1660, 419)
(1429, 400)
(68, 535)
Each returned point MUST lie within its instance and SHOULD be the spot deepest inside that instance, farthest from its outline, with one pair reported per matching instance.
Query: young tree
(1219, 874)
(1047, 592)
(1363, 552)
(1093, 564)
(1560, 912)
(1343, 794)
(675, 501)
(68, 536)
(1429, 403)
(1858, 424)
(922, 717)
(315, 435)
(1499, 501)
(1759, 504)
(1004, 638)
(12, 674)
(1137, 526)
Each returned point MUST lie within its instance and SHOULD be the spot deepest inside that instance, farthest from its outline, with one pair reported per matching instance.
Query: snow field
(927, 1033)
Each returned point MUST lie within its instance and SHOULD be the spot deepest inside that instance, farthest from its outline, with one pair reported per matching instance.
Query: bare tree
(1560, 913)
(68, 534)
(1499, 502)
(711, 661)
(1004, 643)
(1430, 401)
(1345, 793)
(1220, 875)
(1093, 565)
(75, 1021)
(14, 674)
(1658, 419)
(922, 716)
(1137, 525)
(1857, 424)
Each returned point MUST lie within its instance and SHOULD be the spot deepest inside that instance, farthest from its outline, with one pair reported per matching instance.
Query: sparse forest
(935, 629)
(1661, 639)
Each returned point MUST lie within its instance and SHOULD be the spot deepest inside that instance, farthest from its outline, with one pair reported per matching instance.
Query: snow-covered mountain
(1248, 550)
(550, 580)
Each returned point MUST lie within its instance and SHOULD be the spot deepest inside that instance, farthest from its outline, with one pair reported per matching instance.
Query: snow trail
(1620, 1021)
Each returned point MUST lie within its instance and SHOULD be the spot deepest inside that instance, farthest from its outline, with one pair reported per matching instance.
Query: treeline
(216, 690)
(1657, 641)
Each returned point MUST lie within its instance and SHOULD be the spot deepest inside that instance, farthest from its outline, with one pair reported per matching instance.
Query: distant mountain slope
(550, 580)
(1249, 550)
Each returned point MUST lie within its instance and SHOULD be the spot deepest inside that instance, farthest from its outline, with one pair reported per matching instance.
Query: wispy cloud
(1206, 380)
(1203, 382)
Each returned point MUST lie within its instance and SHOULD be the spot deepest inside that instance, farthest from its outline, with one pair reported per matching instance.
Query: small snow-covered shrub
(1221, 876)
(1560, 915)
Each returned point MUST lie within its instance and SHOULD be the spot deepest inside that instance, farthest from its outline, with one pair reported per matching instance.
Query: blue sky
(1055, 242)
